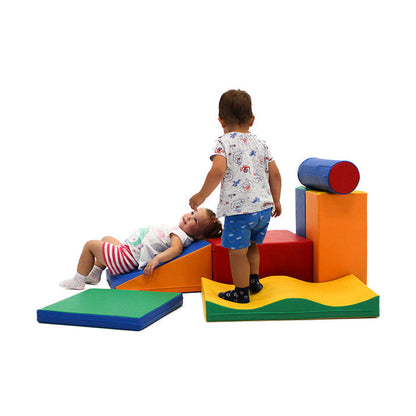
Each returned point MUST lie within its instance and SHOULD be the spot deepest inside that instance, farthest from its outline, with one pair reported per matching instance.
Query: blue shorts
(240, 230)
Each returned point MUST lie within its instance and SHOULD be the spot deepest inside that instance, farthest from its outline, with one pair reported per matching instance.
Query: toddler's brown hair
(235, 107)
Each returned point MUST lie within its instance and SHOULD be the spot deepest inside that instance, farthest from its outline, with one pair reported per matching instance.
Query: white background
(108, 112)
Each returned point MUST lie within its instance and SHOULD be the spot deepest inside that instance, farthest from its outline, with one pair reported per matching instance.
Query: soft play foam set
(318, 272)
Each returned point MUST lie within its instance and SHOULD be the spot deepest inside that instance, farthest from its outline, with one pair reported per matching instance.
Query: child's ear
(222, 122)
(252, 120)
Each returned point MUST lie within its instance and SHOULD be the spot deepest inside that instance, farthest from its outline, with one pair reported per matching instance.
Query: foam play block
(334, 176)
(284, 297)
(182, 274)
(337, 225)
(282, 253)
(301, 210)
(106, 308)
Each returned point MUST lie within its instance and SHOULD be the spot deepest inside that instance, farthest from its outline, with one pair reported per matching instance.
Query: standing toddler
(250, 192)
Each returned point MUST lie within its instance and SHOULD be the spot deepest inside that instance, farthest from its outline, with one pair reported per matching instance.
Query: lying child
(145, 249)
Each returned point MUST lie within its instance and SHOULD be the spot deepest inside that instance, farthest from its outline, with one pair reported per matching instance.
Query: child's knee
(238, 253)
(112, 240)
(91, 245)
(88, 244)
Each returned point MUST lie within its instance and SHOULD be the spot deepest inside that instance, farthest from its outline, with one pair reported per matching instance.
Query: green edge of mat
(288, 309)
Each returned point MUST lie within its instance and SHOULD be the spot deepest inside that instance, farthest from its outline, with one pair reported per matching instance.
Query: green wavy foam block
(285, 297)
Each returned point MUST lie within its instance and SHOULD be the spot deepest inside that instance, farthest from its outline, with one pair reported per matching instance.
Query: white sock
(95, 276)
(77, 283)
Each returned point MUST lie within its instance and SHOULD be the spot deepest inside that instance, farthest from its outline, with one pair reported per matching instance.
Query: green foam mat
(107, 308)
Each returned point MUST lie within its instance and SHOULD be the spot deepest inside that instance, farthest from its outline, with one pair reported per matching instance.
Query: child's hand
(196, 201)
(148, 270)
(277, 210)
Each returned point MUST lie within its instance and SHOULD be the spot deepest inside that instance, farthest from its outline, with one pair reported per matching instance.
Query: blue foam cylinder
(334, 176)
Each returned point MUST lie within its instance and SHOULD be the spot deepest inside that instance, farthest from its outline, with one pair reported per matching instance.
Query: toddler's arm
(214, 177)
(170, 253)
(275, 182)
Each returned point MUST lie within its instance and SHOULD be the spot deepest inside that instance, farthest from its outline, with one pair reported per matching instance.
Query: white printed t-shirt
(146, 243)
(245, 186)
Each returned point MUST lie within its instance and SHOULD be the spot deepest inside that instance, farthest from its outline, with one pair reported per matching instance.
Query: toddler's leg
(254, 260)
(91, 253)
(240, 266)
(240, 269)
(94, 276)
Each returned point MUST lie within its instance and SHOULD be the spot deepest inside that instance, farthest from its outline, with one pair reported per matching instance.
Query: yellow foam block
(285, 297)
(337, 226)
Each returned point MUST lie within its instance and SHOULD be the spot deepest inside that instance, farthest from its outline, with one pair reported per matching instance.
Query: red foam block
(281, 254)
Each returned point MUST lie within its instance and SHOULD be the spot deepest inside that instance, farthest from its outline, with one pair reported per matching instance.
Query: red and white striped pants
(118, 259)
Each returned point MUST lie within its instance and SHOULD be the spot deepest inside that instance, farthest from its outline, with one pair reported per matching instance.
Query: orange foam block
(337, 225)
(182, 274)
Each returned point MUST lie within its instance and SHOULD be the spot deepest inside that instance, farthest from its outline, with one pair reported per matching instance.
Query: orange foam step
(182, 274)
(337, 225)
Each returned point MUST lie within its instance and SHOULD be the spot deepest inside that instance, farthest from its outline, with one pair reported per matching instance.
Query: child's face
(194, 222)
